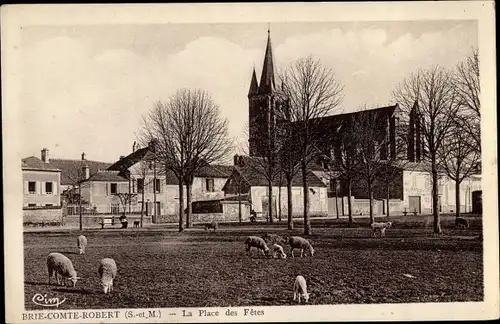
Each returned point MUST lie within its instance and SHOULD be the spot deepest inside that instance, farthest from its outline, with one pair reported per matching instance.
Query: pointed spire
(267, 77)
(254, 86)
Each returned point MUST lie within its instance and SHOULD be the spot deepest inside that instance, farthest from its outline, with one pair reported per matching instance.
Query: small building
(42, 190)
(248, 178)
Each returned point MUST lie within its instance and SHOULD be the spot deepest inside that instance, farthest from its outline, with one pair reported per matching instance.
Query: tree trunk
(80, 205)
(370, 200)
(349, 202)
(189, 209)
(289, 202)
(240, 216)
(279, 201)
(336, 200)
(305, 186)
(388, 198)
(435, 198)
(142, 206)
(457, 198)
(270, 200)
(181, 206)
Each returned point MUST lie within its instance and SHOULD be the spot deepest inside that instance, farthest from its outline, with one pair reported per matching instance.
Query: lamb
(300, 243)
(300, 289)
(461, 222)
(273, 238)
(82, 243)
(278, 251)
(59, 264)
(380, 227)
(212, 225)
(107, 272)
(258, 243)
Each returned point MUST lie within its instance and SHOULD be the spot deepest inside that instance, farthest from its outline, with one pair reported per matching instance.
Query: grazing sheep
(107, 272)
(461, 222)
(278, 251)
(380, 227)
(300, 289)
(82, 243)
(212, 225)
(258, 243)
(59, 264)
(300, 243)
(273, 238)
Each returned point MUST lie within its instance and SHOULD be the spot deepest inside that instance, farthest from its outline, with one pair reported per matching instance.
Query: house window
(32, 187)
(140, 185)
(48, 187)
(114, 188)
(209, 185)
(31, 205)
(157, 185)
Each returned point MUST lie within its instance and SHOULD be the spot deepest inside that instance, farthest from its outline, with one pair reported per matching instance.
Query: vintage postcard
(250, 162)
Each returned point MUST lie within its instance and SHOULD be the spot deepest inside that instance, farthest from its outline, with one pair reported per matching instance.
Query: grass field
(159, 267)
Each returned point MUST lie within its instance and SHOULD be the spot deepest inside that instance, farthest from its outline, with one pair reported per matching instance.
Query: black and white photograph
(208, 163)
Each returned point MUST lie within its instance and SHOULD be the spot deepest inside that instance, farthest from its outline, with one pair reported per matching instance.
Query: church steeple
(254, 86)
(267, 77)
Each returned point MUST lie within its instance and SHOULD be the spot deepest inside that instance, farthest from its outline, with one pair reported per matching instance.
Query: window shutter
(107, 191)
(43, 184)
(54, 188)
(38, 187)
(26, 187)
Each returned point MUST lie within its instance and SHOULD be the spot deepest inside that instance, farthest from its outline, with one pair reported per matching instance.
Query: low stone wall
(42, 215)
(94, 220)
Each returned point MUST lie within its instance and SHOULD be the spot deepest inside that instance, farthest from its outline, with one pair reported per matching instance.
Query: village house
(41, 190)
(248, 180)
(155, 187)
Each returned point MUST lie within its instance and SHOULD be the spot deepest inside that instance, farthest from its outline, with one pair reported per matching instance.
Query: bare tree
(78, 176)
(143, 170)
(431, 97)
(458, 156)
(125, 198)
(189, 133)
(312, 92)
(468, 88)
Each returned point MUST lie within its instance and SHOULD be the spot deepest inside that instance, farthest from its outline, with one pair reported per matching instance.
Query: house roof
(255, 177)
(108, 176)
(209, 171)
(71, 169)
(131, 159)
(34, 163)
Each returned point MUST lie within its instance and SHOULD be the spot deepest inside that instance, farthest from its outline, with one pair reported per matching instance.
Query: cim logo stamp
(43, 300)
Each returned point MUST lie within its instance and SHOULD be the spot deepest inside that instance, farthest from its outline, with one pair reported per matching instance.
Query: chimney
(86, 171)
(45, 155)
(235, 159)
(83, 156)
(134, 147)
(122, 157)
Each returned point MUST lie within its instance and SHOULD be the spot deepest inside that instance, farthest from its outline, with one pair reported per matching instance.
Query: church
(399, 140)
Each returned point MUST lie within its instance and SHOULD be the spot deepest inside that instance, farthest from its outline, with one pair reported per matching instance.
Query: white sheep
(59, 264)
(380, 227)
(300, 289)
(82, 243)
(300, 243)
(278, 251)
(258, 243)
(107, 273)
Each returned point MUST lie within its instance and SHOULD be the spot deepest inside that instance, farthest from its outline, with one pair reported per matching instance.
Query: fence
(74, 210)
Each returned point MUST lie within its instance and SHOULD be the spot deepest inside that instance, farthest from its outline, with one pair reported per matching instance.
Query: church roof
(267, 84)
(254, 86)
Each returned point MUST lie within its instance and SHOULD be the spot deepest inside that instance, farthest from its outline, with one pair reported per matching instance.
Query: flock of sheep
(62, 268)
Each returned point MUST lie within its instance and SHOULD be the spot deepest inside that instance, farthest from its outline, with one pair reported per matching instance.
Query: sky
(85, 88)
